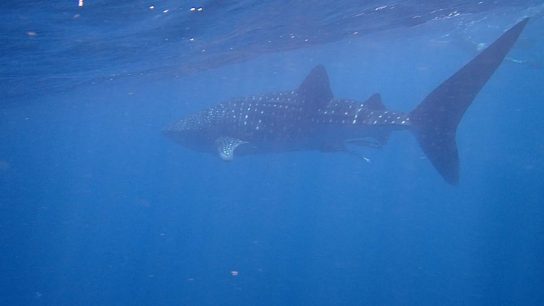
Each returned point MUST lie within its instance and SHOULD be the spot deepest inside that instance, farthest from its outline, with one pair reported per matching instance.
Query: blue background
(98, 208)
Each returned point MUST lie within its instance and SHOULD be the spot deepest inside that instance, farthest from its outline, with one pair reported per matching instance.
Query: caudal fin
(435, 120)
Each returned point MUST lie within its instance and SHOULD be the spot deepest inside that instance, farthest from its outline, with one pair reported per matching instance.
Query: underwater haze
(97, 207)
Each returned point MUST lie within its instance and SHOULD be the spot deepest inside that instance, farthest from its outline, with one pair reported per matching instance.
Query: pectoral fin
(226, 147)
(366, 142)
(332, 147)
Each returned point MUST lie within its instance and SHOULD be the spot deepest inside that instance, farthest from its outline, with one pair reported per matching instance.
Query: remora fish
(310, 118)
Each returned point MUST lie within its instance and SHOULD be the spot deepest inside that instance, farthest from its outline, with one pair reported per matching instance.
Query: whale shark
(311, 118)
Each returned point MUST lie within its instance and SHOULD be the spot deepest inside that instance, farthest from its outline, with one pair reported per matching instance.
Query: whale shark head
(190, 131)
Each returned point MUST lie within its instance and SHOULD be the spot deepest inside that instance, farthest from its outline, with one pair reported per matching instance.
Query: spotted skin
(282, 122)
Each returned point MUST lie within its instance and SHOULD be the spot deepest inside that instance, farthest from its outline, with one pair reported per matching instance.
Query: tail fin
(435, 120)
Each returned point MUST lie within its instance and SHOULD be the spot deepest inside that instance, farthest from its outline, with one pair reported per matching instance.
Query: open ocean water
(97, 207)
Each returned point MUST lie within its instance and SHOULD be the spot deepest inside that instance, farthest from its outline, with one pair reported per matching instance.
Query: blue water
(98, 208)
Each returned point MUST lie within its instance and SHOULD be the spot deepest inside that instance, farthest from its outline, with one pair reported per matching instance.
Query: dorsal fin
(375, 102)
(315, 89)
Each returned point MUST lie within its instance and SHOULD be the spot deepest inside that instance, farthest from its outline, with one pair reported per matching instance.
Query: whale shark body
(310, 118)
